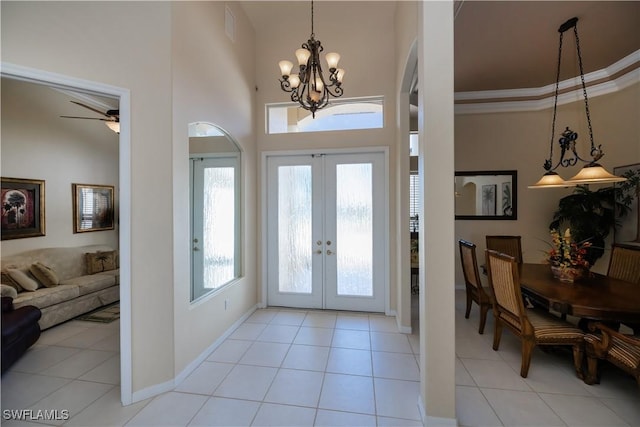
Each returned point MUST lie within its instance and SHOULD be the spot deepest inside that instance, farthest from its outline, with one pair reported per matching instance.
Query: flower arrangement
(567, 256)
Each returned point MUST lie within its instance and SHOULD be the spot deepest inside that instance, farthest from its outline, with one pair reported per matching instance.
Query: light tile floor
(301, 368)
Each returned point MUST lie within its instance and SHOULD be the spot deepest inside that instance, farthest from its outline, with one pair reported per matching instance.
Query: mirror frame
(514, 195)
(238, 202)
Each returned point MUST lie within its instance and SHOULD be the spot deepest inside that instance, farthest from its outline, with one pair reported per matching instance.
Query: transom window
(343, 114)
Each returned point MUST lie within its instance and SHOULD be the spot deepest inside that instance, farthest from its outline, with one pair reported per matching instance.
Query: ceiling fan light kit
(593, 172)
(112, 119)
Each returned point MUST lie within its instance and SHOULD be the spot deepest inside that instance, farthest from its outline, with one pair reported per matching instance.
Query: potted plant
(591, 215)
(567, 257)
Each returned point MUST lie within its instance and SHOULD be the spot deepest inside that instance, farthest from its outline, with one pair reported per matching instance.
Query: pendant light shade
(595, 174)
(551, 180)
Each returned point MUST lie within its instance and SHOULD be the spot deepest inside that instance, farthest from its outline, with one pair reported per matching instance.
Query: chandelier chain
(584, 89)
(312, 32)
(555, 101)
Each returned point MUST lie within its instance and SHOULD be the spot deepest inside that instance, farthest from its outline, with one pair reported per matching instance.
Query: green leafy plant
(591, 215)
(629, 190)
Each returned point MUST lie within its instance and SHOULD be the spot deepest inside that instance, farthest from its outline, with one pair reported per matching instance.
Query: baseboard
(434, 421)
(207, 352)
(171, 384)
(154, 390)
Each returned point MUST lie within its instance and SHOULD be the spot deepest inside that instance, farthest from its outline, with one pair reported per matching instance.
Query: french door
(325, 231)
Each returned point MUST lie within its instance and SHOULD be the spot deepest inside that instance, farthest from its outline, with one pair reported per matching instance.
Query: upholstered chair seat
(621, 350)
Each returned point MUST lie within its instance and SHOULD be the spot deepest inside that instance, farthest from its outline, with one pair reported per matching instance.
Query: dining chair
(532, 326)
(510, 245)
(621, 350)
(476, 292)
(624, 264)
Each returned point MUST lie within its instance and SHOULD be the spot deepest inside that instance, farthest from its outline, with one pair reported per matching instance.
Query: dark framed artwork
(477, 197)
(93, 208)
(629, 226)
(22, 208)
(489, 199)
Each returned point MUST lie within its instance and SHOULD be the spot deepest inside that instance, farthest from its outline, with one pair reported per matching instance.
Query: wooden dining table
(596, 297)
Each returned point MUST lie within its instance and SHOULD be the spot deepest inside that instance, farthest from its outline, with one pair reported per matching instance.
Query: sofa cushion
(100, 261)
(67, 262)
(90, 283)
(45, 297)
(24, 279)
(44, 274)
(111, 273)
(7, 280)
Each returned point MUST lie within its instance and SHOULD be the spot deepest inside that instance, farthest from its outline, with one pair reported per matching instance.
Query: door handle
(195, 248)
(319, 252)
(329, 252)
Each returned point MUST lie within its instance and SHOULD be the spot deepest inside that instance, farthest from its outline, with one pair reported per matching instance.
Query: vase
(566, 274)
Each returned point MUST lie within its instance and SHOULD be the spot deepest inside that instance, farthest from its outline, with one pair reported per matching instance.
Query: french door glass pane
(354, 226)
(294, 229)
(218, 228)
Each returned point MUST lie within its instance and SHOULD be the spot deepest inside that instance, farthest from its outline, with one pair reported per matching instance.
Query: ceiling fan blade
(102, 113)
(88, 118)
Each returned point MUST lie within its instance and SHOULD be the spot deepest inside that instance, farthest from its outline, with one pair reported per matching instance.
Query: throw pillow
(6, 279)
(23, 278)
(100, 261)
(8, 291)
(44, 274)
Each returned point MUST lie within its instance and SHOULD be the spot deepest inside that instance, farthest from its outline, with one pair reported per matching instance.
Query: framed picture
(93, 208)
(22, 208)
(629, 229)
(489, 199)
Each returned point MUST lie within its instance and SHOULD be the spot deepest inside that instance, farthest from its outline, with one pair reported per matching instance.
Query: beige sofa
(77, 292)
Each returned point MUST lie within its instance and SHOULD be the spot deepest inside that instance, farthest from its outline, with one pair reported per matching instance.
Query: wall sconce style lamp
(592, 172)
(309, 87)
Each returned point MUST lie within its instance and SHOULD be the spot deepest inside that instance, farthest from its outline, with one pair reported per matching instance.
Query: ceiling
(508, 44)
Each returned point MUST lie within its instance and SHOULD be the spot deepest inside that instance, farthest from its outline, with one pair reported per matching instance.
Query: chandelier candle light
(593, 172)
(309, 87)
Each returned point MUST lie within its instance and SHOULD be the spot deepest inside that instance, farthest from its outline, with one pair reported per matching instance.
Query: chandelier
(592, 172)
(309, 87)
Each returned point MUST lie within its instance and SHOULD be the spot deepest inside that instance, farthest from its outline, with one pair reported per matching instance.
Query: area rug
(106, 314)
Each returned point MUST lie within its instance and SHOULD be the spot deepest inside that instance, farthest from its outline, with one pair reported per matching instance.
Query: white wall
(212, 82)
(38, 144)
(406, 23)
(128, 45)
(180, 68)
(521, 141)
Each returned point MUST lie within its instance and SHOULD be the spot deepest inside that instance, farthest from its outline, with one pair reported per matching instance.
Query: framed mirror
(214, 159)
(488, 195)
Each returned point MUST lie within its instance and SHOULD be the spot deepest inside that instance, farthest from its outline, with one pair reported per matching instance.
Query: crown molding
(615, 77)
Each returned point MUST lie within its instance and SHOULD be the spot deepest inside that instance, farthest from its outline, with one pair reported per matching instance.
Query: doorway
(326, 221)
(92, 89)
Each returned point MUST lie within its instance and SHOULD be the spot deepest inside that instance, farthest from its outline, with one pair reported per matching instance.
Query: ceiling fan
(112, 119)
